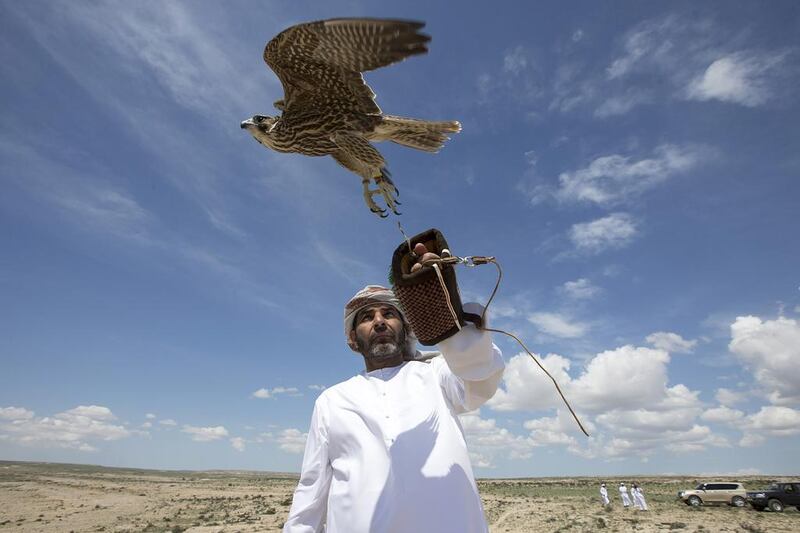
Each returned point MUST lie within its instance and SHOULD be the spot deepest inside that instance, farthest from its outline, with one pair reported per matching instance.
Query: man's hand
(422, 255)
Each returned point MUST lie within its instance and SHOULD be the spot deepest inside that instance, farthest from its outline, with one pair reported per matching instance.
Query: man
(638, 497)
(604, 494)
(385, 450)
(623, 493)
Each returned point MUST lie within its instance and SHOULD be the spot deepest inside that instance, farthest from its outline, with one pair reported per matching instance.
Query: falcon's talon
(385, 188)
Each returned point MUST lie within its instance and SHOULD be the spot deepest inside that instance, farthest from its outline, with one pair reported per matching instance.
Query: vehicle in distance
(715, 492)
(776, 497)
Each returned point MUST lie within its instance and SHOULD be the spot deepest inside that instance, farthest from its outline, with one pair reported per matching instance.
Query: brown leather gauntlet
(434, 312)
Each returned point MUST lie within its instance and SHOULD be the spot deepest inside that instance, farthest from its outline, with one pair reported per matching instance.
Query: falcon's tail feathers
(425, 135)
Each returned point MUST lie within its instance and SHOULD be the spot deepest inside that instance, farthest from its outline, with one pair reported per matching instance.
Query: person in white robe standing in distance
(623, 494)
(638, 496)
(604, 494)
(635, 497)
(386, 451)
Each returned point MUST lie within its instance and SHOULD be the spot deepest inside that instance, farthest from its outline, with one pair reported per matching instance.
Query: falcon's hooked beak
(247, 123)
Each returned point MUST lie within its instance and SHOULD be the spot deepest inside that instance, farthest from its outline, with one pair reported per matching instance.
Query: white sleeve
(474, 366)
(310, 503)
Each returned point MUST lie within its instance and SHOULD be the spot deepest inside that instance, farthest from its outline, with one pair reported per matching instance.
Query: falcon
(328, 108)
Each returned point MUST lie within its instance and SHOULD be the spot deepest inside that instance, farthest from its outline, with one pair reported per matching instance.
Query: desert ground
(59, 497)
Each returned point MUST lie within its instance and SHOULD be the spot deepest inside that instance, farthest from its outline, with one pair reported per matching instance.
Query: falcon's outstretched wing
(320, 63)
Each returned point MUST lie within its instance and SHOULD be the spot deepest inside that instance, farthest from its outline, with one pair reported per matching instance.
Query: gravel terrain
(57, 497)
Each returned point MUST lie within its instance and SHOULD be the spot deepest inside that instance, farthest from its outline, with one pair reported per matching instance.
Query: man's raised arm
(475, 362)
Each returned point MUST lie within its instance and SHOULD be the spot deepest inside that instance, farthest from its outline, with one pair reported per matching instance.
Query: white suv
(715, 492)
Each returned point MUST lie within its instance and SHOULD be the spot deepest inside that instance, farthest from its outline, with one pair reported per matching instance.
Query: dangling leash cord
(473, 261)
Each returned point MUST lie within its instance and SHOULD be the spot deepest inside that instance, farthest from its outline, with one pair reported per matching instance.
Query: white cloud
(622, 103)
(695, 438)
(317, 387)
(722, 414)
(168, 422)
(480, 461)
(166, 56)
(515, 61)
(264, 393)
(90, 202)
(622, 397)
(147, 425)
(775, 420)
(238, 444)
(679, 396)
(97, 412)
(729, 397)
(626, 377)
(671, 342)
(291, 440)
(569, 91)
(112, 210)
(652, 47)
(205, 434)
(548, 431)
(580, 289)
(743, 77)
(150, 416)
(731, 473)
(769, 421)
(771, 350)
(616, 178)
(15, 413)
(487, 439)
(671, 57)
(650, 44)
(165, 43)
(614, 231)
(636, 422)
(751, 440)
(518, 80)
(558, 325)
(526, 387)
(74, 428)
(532, 186)
(285, 390)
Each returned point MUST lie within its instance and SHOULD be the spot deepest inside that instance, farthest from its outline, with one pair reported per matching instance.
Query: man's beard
(382, 348)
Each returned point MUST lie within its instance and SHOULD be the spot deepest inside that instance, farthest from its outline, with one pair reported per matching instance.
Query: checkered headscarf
(370, 295)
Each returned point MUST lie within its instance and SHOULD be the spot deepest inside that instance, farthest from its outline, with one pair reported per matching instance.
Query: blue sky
(172, 292)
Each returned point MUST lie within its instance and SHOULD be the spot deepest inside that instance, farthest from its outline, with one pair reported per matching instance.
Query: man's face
(379, 333)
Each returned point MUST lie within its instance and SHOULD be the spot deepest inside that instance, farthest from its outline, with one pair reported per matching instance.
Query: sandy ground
(56, 497)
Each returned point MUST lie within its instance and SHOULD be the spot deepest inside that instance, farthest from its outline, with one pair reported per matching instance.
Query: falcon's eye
(259, 119)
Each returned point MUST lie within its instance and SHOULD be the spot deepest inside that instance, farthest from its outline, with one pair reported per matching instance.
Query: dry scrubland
(56, 497)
